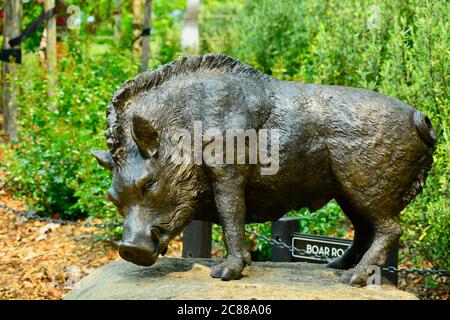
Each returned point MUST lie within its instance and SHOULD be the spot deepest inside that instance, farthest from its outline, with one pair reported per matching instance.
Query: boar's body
(339, 142)
(368, 151)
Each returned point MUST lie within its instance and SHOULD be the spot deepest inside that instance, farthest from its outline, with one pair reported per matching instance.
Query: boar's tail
(427, 133)
(424, 128)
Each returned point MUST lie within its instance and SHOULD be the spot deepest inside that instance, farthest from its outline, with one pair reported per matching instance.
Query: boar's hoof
(354, 277)
(226, 272)
(346, 276)
(230, 269)
(359, 279)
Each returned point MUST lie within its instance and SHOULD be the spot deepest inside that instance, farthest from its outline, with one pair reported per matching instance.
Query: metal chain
(29, 215)
(422, 272)
(283, 245)
(280, 244)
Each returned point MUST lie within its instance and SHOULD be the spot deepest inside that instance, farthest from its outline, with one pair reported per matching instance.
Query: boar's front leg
(230, 202)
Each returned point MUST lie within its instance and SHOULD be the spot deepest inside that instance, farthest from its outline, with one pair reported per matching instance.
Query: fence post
(392, 261)
(282, 230)
(197, 240)
(145, 54)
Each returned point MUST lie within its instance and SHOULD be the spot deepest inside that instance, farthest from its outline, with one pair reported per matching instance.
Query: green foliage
(260, 250)
(399, 48)
(32, 10)
(327, 221)
(215, 19)
(51, 165)
(166, 34)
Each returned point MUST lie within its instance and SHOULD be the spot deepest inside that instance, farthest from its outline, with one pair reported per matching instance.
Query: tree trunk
(146, 38)
(190, 39)
(51, 55)
(137, 7)
(11, 29)
(117, 19)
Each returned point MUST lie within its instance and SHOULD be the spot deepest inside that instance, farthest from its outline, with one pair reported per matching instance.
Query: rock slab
(177, 278)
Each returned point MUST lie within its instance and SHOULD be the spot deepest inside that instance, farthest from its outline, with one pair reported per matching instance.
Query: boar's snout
(138, 254)
(141, 246)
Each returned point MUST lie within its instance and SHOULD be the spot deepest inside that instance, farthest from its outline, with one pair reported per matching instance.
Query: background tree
(117, 19)
(190, 39)
(137, 10)
(51, 58)
(146, 26)
(11, 29)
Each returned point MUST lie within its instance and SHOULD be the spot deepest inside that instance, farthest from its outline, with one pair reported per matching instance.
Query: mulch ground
(44, 261)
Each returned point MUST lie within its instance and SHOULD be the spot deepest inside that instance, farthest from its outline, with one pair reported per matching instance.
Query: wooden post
(51, 55)
(197, 240)
(190, 39)
(190, 44)
(11, 29)
(392, 261)
(282, 231)
(146, 37)
(117, 19)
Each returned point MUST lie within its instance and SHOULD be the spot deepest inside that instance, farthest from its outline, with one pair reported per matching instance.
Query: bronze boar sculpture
(368, 151)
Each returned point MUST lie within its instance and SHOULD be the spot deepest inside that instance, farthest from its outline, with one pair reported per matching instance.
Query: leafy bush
(50, 165)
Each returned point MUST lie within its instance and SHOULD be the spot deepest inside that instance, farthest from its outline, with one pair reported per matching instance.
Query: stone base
(176, 278)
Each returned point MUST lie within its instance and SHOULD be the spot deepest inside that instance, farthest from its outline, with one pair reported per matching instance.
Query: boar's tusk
(155, 233)
(115, 244)
(103, 158)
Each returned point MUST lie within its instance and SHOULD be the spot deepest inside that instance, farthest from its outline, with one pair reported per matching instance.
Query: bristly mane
(154, 78)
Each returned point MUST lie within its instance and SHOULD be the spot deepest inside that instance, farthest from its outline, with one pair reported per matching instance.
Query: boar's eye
(151, 186)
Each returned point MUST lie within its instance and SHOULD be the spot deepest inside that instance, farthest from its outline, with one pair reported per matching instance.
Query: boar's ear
(145, 136)
(103, 158)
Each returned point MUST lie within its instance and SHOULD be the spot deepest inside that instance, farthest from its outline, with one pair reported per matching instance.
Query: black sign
(15, 54)
(9, 55)
(32, 27)
(324, 246)
(333, 248)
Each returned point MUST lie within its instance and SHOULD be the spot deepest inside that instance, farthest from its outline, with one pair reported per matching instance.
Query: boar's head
(157, 197)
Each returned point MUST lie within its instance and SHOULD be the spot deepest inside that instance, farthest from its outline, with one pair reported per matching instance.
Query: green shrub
(50, 165)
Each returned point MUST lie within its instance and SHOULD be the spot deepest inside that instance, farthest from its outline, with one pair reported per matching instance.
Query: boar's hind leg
(387, 232)
(230, 202)
(362, 239)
